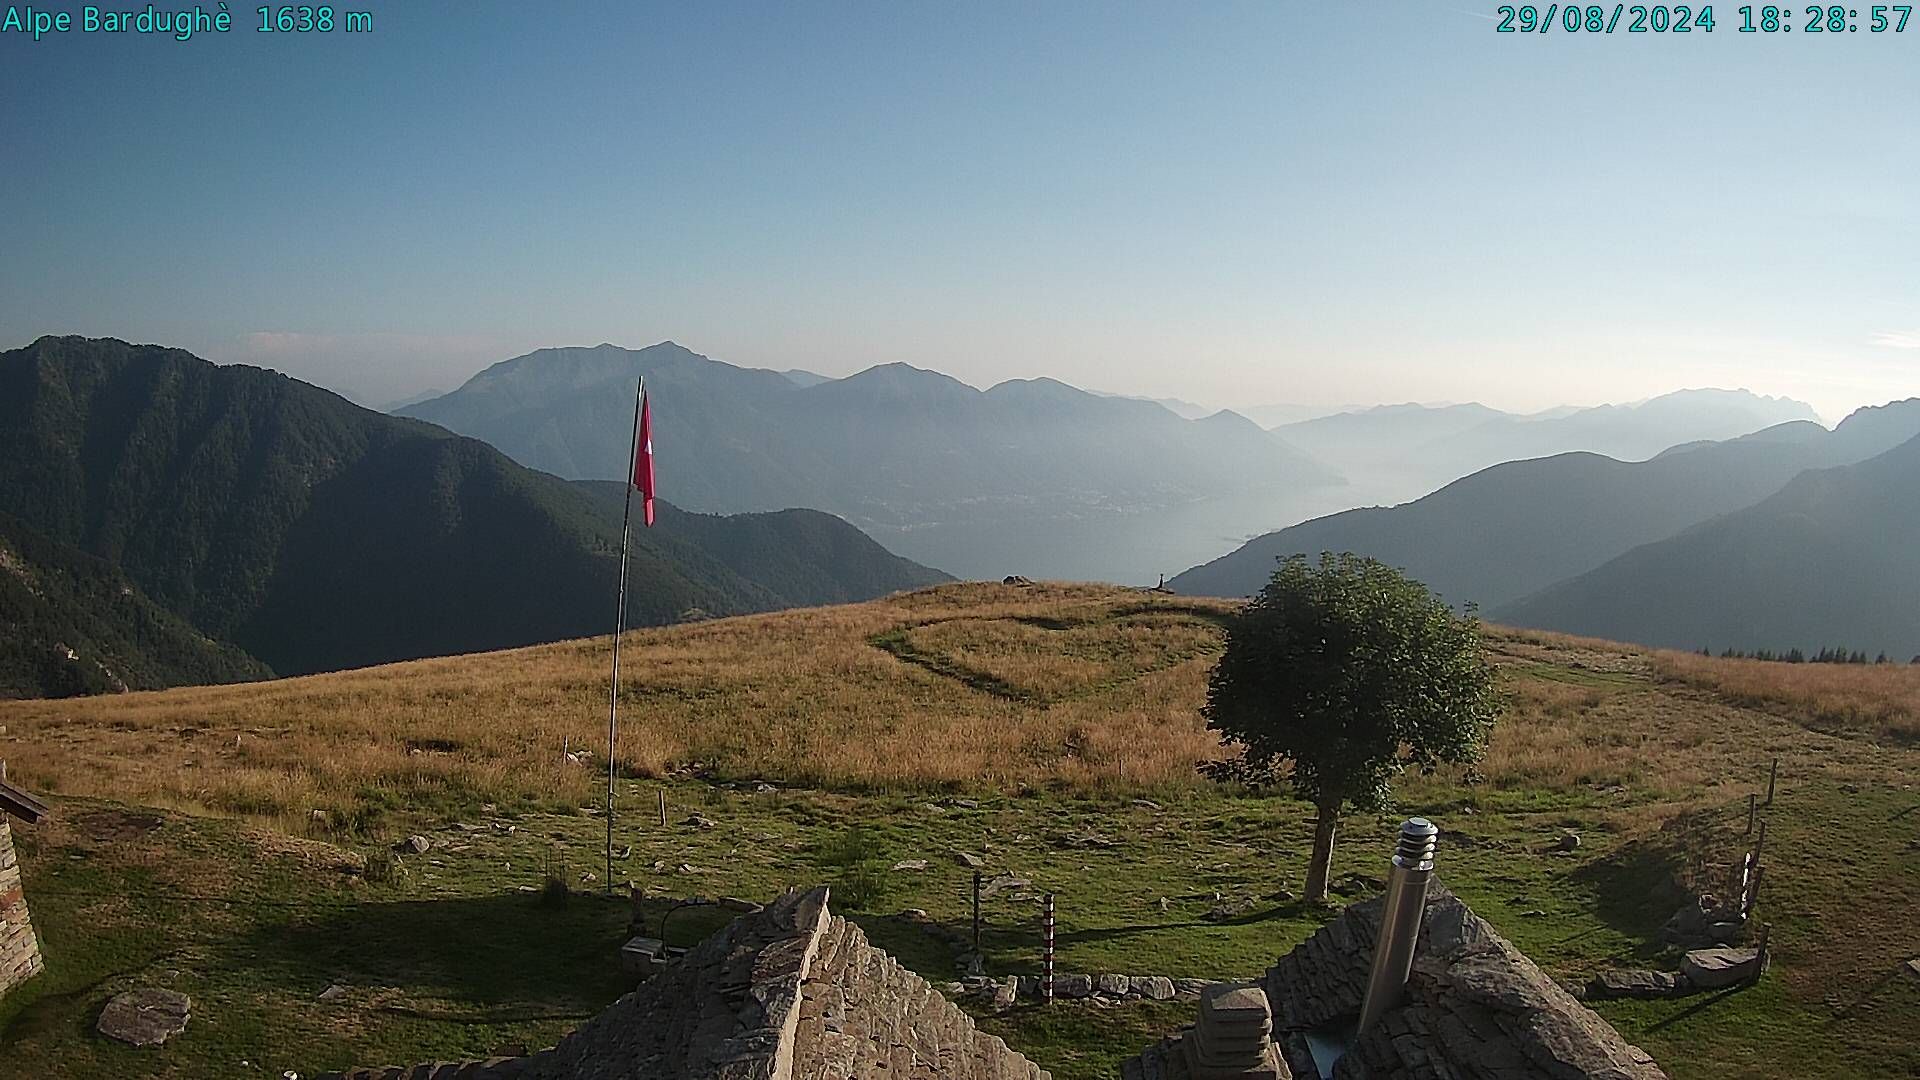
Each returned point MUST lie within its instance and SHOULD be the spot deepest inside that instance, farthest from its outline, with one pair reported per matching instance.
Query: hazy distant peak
(1869, 413)
(897, 379)
(1785, 408)
(1042, 388)
(1790, 431)
(1872, 429)
(1229, 418)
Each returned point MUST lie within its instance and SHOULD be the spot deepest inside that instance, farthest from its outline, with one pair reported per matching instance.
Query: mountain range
(254, 511)
(1022, 477)
(1028, 476)
(1572, 541)
(1829, 559)
(1399, 452)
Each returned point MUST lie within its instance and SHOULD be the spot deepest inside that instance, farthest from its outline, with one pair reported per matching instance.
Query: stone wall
(19, 948)
(864, 1015)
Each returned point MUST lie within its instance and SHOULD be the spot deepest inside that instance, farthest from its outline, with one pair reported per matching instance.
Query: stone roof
(1476, 1008)
(790, 992)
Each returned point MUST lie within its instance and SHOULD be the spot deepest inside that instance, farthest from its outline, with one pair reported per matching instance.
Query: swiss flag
(643, 457)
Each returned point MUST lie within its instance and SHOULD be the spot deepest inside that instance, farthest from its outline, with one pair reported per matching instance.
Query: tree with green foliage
(1350, 672)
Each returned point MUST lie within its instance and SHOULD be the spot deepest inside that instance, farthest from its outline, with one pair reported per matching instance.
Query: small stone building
(790, 992)
(1475, 1008)
(19, 947)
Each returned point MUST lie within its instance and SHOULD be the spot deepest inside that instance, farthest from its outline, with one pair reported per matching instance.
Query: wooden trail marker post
(1046, 949)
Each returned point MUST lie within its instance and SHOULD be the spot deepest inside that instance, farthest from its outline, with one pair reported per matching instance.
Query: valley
(1059, 541)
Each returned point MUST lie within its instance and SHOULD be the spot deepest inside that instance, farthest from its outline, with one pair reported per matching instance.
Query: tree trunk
(1318, 870)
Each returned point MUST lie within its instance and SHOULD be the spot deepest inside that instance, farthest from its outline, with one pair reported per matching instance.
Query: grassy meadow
(232, 841)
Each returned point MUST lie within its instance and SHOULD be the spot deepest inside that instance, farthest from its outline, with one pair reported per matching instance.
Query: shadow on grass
(1864, 1002)
(1636, 888)
(1697, 1008)
(486, 952)
(1296, 910)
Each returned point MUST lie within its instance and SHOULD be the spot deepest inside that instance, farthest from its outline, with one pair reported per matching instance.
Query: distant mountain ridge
(1831, 558)
(911, 455)
(315, 534)
(1403, 451)
(1515, 528)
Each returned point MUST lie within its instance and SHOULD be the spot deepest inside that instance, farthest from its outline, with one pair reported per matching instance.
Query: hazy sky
(1231, 203)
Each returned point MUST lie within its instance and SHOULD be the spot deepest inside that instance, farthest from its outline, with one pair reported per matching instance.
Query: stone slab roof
(1476, 1008)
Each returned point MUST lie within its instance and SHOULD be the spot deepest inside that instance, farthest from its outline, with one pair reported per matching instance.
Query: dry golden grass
(1881, 701)
(1050, 659)
(1083, 688)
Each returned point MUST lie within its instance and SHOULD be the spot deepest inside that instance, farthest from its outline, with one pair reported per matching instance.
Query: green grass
(457, 956)
(454, 954)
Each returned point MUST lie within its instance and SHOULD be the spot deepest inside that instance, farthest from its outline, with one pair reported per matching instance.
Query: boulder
(1153, 987)
(1638, 984)
(145, 1017)
(1072, 986)
(1112, 985)
(1711, 969)
(1006, 993)
(1000, 883)
(1190, 988)
(413, 845)
(971, 861)
(1690, 924)
(910, 864)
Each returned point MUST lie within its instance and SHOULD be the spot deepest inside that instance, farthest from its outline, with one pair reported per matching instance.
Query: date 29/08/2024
(1682, 19)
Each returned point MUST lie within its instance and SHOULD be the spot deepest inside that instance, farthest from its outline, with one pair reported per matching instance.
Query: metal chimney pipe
(1400, 920)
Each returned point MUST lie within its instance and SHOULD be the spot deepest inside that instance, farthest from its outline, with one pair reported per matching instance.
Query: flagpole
(620, 621)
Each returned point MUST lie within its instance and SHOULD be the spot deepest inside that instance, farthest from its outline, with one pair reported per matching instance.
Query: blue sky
(1231, 203)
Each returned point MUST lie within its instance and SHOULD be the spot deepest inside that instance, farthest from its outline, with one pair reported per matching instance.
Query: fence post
(1760, 968)
(1046, 949)
(1773, 773)
(1753, 872)
(1752, 798)
(663, 808)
